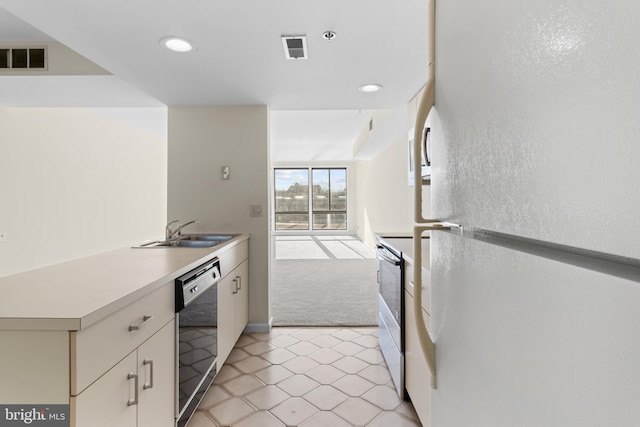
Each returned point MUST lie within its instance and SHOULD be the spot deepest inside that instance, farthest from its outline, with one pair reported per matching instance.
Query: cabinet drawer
(232, 257)
(96, 349)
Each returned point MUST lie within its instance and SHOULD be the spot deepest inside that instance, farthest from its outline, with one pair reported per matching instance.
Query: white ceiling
(240, 58)
(15, 29)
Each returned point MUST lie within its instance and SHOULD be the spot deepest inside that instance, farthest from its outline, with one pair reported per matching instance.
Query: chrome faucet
(170, 234)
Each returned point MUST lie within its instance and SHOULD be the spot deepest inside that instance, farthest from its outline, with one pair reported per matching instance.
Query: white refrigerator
(536, 154)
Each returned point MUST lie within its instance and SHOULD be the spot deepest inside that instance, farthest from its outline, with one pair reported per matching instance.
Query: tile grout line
(252, 373)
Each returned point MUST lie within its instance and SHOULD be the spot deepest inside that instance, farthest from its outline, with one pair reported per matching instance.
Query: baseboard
(258, 327)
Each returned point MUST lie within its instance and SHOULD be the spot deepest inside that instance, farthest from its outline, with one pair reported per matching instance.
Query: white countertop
(75, 294)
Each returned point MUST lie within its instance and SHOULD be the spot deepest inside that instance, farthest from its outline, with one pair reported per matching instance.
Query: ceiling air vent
(295, 47)
(23, 58)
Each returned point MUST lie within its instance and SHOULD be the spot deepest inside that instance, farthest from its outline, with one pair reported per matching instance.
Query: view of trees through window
(318, 195)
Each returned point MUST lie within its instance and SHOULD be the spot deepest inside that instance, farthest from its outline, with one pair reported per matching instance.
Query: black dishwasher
(197, 336)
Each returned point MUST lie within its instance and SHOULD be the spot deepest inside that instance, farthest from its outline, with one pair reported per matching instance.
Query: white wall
(315, 135)
(74, 182)
(384, 196)
(201, 141)
(385, 199)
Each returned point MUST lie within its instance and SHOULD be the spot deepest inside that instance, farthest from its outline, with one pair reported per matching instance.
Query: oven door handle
(383, 253)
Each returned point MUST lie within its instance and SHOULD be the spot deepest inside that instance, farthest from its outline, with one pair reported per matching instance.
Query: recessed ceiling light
(371, 87)
(178, 44)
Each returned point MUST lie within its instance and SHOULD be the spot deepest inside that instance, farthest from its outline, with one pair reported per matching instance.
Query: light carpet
(324, 292)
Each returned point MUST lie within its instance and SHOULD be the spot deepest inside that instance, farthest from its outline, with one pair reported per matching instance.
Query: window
(292, 199)
(324, 202)
(329, 199)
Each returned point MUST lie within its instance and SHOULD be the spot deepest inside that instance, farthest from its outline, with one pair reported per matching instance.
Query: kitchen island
(97, 334)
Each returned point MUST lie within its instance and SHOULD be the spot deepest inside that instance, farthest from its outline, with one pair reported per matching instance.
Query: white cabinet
(156, 379)
(233, 309)
(122, 368)
(233, 298)
(105, 403)
(99, 347)
(100, 369)
(416, 370)
(138, 391)
(241, 280)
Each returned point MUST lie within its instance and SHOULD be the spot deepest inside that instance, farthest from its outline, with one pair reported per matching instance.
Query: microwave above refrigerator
(425, 151)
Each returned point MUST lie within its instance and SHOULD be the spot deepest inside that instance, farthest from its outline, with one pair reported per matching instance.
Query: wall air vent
(23, 58)
(295, 47)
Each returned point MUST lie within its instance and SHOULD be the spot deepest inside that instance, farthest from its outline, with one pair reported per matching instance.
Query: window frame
(310, 212)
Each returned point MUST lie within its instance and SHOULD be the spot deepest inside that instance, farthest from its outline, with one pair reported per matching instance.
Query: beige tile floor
(306, 377)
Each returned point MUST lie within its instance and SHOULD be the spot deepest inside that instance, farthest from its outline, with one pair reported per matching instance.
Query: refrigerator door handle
(426, 343)
(427, 101)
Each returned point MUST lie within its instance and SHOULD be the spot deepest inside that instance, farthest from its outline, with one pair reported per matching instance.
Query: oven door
(197, 330)
(391, 313)
(391, 279)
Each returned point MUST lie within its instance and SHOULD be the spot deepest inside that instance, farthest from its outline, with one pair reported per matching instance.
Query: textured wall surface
(536, 134)
(540, 101)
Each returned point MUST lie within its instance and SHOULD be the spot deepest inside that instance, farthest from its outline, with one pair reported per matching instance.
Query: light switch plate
(255, 210)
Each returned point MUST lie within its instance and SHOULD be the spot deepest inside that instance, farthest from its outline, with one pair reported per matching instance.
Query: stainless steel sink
(190, 243)
(208, 237)
(203, 240)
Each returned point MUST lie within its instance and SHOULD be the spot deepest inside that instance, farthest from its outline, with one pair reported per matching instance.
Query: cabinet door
(156, 386)
(242, 297)
(226, 317)
(104, 403)
(416, 369)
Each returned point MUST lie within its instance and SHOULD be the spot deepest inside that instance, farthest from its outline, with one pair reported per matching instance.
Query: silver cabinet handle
(148, 385)
(239, 282)
(134, 377)
(145, 320)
